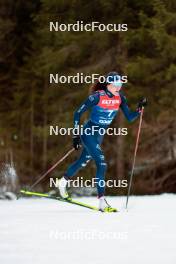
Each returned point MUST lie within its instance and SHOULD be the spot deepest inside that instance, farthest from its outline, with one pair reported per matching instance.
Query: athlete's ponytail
(97, 86)
(109, 78)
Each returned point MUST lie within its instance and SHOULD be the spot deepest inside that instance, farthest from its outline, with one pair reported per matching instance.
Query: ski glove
(76, 142)
(142, 102)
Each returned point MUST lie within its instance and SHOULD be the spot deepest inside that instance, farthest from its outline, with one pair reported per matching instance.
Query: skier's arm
(130, 115)
(91, 101)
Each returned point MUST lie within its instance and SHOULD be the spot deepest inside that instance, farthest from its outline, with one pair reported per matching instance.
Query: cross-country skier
(105, 101)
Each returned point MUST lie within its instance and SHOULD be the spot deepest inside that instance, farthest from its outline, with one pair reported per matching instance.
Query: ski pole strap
(52, 168)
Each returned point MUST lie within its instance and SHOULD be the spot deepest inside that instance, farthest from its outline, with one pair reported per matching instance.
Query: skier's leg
(71, 171)
(84, 158)
(78, 164)
(92, 145)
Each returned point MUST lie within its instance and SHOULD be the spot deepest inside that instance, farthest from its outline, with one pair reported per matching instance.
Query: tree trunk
(120, 169)
(45, 134)
(31, 132)
(120, 150)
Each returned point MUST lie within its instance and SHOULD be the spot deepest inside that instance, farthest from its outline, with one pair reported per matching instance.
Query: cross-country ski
(66, 200)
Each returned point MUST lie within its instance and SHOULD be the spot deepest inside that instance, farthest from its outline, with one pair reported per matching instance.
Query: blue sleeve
(130, 115)
(91, 101)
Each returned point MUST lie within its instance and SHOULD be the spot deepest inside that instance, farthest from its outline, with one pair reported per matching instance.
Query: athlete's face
(114, 89)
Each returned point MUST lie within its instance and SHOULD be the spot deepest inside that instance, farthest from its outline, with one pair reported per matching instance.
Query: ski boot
(62, 187)
(104, 206)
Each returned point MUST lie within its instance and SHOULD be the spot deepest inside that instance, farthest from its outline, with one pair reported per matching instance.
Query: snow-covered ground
(43, 231)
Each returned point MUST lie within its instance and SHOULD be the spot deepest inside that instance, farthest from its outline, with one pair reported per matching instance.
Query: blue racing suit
(104, 107)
